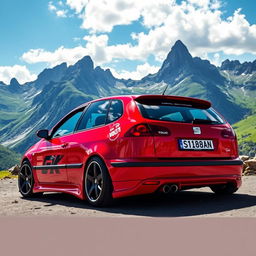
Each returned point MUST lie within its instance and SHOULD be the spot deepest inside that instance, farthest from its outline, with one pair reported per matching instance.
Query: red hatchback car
(130, 145)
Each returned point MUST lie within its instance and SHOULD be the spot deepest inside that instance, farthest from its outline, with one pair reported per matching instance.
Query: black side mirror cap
(43, 134)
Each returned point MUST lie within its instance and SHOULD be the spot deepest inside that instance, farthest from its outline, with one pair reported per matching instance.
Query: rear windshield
(180, 114)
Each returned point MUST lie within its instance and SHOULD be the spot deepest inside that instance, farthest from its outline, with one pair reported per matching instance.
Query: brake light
(141, 130)
(228, 133)
(138, 131)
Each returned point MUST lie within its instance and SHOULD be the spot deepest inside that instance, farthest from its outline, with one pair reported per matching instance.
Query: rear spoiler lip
(204, 104)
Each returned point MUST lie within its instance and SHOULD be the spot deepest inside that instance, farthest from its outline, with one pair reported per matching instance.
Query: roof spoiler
(173, 101)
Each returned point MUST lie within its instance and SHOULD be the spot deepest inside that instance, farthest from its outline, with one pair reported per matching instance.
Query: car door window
(68, 126)
(95, 115)
(115, 111)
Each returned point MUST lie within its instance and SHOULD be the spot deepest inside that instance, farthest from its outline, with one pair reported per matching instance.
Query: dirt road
(192, 203)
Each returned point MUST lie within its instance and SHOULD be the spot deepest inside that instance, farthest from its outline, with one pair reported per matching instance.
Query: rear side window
(115, 111)
(95, 115)
(179, 114)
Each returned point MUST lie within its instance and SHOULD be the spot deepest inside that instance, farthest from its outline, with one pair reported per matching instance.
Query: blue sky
(130, 37)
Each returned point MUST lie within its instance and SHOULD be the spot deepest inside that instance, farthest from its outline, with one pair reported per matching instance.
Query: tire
(26, 181)
(224, 189)
(97, 183)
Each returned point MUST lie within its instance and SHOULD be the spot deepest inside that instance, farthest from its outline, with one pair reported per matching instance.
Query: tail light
(228, 133)
(142, 130)
(138, 131)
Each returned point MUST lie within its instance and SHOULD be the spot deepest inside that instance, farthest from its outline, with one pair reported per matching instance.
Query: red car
(130, 145)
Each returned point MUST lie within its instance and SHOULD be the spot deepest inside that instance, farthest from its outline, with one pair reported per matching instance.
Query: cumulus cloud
(102, 15)
(59, 12)
(69, 55)
(21, 73)
(52, 7)
(140, 72)
(95, 46)
(77, 5)
(198, 23)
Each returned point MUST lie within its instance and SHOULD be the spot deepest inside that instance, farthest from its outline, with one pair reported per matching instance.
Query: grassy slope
(11, 105)
(246, 134)
(8, 158)
(246, 129)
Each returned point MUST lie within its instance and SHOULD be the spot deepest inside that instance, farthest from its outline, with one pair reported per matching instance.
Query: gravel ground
(193, 203)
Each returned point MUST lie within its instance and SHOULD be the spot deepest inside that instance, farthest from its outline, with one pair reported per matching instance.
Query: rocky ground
(249, 167)
(193, 203)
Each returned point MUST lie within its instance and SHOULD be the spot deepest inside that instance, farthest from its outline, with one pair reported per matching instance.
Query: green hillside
(8, 158)
(246, 134)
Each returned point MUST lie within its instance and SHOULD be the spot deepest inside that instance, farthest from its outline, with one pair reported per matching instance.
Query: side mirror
(43, 134)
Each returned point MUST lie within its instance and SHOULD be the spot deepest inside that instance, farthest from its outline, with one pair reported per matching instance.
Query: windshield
(180, 114)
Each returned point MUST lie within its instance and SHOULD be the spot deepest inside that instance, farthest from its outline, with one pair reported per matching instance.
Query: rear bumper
(142, 177)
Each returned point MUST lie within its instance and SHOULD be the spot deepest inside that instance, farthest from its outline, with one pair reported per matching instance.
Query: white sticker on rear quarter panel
(114, 131)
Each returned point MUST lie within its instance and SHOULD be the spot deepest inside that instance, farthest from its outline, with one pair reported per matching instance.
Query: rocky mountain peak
(51, 75)
(180, 48)
(85, 63)
(178, 57)
(238, 68)
(14, 82)
(14, 86)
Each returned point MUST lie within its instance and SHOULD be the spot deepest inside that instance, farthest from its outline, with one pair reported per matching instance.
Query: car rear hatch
(186, 128)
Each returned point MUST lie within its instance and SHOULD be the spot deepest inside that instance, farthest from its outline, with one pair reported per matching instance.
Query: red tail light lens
(228, 133)
(141, 130)
(138, 131)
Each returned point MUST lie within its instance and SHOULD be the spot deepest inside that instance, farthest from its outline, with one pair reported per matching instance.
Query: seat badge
(197, 130)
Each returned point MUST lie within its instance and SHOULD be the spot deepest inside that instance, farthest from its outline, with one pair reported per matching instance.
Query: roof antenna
(165, 89)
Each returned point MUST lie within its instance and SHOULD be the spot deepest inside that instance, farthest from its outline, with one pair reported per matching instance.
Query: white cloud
(59, 12)
(96, 46)
(102, 15)
(198, 23)
(51, 6)
(202, 29)
(77, 5)
(21, 73)
(140, 72)
(69, 55)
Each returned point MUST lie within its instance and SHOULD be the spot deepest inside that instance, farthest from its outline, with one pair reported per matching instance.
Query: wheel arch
(92, 156)
(25, 159)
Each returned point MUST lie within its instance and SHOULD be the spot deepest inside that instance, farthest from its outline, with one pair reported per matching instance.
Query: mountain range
(40, 104)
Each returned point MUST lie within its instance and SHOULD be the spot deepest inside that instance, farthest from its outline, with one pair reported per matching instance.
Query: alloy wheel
(25, 179)
(93, 181)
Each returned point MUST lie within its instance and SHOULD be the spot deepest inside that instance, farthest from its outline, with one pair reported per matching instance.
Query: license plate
(196, 144)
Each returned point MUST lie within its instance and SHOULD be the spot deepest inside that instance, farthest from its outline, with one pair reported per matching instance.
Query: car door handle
(64, 145)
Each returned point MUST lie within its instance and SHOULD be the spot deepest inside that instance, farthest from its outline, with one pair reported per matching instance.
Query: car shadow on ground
(182, 204)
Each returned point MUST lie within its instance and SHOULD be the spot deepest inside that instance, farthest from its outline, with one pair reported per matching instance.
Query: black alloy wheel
(26, 180)
(98, 185)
